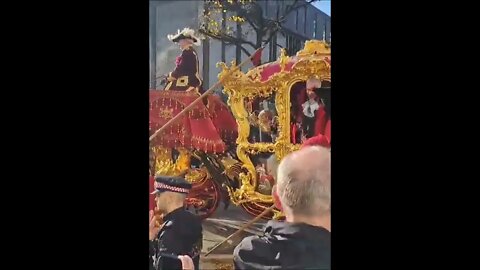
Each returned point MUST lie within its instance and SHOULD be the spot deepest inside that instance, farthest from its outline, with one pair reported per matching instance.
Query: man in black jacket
(303, 241)
(180, 233)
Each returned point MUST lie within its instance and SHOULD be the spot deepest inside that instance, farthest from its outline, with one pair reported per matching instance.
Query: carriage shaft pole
(242, 228)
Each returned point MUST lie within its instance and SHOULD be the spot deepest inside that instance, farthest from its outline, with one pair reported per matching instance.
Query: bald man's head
(303, 181)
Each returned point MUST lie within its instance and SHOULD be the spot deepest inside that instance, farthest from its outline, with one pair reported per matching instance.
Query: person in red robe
(320, 139)
(186, 75)
(323, 122)
(310, 110)
(208, 125)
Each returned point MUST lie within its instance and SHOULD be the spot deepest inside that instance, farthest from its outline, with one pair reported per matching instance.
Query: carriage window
(310, 110)
(263, 120)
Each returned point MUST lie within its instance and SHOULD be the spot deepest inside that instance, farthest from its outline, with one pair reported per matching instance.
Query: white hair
(303, 181)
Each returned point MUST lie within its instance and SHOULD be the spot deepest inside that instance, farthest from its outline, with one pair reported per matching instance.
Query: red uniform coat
(186, 74)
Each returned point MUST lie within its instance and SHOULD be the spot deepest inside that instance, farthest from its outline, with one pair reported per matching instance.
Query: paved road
(218, 227)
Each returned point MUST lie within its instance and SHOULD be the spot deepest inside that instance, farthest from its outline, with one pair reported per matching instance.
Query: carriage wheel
(256, 209)
(203, 199)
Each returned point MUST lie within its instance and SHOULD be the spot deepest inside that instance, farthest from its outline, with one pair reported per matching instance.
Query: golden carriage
(261, 102)
(275, 83)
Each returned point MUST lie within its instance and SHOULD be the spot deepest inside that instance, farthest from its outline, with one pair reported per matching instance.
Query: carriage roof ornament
(315, 47)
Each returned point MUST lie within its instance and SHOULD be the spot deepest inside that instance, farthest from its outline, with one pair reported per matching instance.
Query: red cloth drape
(195, 130)
(320, 139)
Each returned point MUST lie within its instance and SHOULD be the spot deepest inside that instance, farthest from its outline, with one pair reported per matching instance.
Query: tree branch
(226, 38)
(277, 24)
(272, 34)
(245, 51)
(252, 12)
(294, 7)
(256, 12)
(251, 23)
(245, 12)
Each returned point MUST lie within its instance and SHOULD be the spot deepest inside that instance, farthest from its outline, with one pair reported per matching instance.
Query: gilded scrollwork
(283, 60)
(310, 62)
(315, 47)
(165, 165)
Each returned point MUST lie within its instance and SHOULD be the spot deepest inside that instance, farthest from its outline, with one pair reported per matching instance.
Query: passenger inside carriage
(310, 110)
(263, 119)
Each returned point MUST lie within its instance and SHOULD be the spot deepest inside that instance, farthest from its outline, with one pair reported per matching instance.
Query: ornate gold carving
(283, 59)
(182, 81)
(166, 113)
(165, 165)
(315, 47)
(255, 74)
(197, 176)
(182, 163)
(233, 168)
(240, 87)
